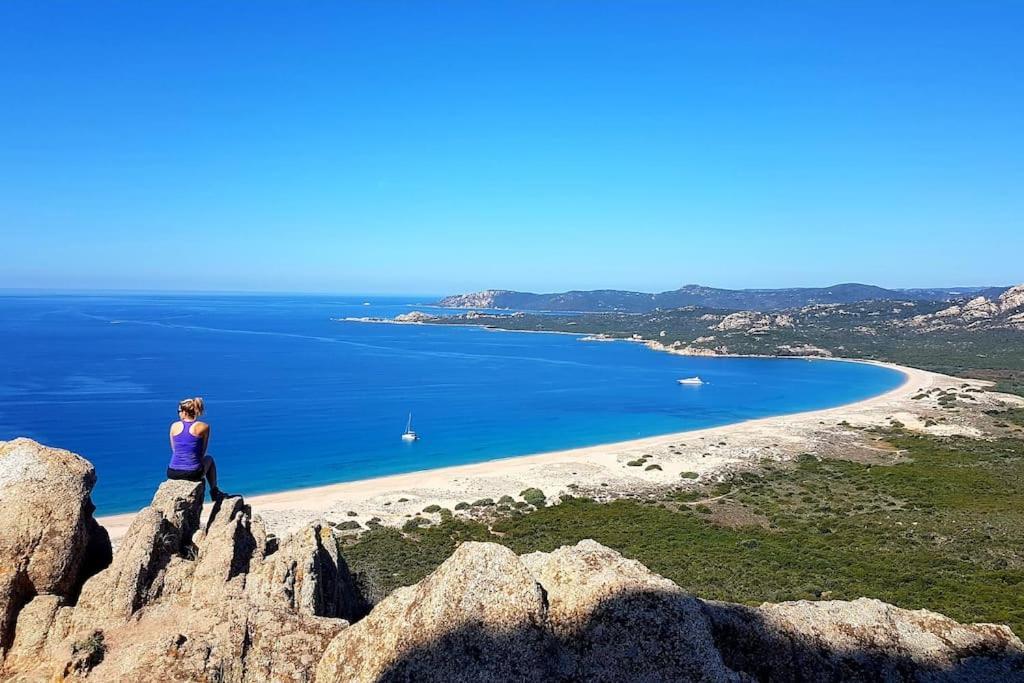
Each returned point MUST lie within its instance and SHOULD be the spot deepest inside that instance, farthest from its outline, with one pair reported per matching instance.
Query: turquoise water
(296, 398)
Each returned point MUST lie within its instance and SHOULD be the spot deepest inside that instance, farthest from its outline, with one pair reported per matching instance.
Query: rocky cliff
(1004, 311)
(216, 599)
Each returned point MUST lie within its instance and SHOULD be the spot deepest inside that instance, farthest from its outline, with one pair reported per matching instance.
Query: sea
(298, 396)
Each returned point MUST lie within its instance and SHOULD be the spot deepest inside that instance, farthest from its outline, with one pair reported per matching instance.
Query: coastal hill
(969, 335)
(219, 599)
(706, 297)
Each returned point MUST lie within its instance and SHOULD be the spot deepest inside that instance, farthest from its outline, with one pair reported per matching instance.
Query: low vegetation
(938, 526)
(88, 652)
(534, 497)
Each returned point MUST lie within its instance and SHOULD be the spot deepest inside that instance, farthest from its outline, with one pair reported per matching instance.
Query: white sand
(602, 470)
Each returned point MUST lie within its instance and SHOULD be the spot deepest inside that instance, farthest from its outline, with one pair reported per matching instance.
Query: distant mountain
(709, 297)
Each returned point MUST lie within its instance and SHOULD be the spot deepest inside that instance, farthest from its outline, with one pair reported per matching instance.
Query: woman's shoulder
(200, 427)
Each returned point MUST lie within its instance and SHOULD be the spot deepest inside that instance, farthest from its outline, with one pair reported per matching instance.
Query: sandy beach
(602, 471)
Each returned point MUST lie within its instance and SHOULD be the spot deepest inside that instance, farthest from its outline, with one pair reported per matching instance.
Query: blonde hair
(191, 407)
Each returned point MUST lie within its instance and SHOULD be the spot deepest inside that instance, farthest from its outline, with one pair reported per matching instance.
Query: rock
(35, 622)
(46, 510)
(478, 617)
(863, 640)
(233, 543)
(802, 350)
(412, 317)
(236, 641)
(690, 350)
(137, 574)
(979, 308)
(743, 320)
(181, 503)
(308, 575)
(1011, 300)
(979, 312)
(619, 621)
(214, 616)
(485, 299)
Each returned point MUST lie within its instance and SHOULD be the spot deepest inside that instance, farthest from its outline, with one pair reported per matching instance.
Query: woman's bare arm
(204, 431)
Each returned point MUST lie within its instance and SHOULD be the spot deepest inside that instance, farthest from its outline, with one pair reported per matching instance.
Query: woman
(189, 441)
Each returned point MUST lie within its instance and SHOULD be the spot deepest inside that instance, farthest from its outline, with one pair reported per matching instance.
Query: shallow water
(296, 398)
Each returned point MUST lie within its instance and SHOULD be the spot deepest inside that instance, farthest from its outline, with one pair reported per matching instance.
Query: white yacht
(409, 434)
(690, 380)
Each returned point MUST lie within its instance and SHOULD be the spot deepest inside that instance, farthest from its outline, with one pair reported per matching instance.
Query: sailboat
(409, 434)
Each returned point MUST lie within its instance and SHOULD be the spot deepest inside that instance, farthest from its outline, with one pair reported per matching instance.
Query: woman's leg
(210, 469)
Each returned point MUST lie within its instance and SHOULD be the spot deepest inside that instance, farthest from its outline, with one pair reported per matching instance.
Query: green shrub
(432, 508)
(652, 467)
(415, 523)
(703, 509)
(506, 500)
(347, 525)
(446, 514)
(462, 506)
(689, 475)
(533, 496)
(635, 463)
(483, 503)
(88, 652)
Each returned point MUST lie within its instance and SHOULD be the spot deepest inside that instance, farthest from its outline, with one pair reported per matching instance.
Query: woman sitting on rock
(189, 441)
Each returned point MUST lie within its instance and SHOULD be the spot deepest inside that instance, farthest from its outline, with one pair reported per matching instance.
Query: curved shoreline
(554, 471)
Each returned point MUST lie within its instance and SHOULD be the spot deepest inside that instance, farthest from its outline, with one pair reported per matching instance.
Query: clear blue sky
(434, 147)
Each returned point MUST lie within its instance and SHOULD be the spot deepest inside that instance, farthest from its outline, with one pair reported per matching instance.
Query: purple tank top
(186, 450)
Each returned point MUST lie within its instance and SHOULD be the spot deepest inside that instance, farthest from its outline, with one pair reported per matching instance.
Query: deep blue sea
(296, 398)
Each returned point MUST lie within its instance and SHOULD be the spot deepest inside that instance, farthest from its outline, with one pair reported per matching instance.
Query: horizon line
(42, 291)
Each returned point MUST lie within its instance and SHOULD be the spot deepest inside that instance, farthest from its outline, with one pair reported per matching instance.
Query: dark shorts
(187, 475)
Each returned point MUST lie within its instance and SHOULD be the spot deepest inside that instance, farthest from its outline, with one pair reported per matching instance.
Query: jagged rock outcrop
(158, 536)
(413, 317)
(48, 533)
(1006, 311)
(862, 640)
(753, 322)
(485, 299)
(802, 350)
(181, 601)
(616, 620)
(1012, 299)
(307, 574)
(480, 615)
